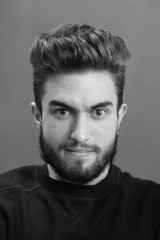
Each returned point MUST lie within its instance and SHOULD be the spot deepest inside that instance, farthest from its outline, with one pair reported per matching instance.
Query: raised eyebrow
(102, 104)
(60, 104)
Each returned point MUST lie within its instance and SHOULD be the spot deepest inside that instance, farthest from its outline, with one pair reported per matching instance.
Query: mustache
(79, 145)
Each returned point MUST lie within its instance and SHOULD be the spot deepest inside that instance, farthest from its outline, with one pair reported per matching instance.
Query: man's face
(78, 124)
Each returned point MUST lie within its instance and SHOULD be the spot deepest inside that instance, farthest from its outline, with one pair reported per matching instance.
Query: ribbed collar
(77, 190)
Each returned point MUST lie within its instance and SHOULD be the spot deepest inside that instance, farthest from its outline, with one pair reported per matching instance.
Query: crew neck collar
(78, 190)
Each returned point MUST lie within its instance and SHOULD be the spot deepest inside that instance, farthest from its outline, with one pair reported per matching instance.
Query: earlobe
(36, 114)
(122, 111)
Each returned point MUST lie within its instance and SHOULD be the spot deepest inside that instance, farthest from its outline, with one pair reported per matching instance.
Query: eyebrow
(65, 105)
(101, 104)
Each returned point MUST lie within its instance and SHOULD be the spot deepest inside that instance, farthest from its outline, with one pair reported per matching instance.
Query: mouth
(79, 150)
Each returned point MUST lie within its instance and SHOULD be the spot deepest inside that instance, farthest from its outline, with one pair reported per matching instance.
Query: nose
(80, 131)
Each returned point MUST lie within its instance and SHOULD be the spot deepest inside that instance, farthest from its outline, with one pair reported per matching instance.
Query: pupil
(63, 112)
(99, 112)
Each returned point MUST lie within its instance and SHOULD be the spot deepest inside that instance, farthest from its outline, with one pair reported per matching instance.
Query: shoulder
(22, 177)
(137, 187)
(139, 200)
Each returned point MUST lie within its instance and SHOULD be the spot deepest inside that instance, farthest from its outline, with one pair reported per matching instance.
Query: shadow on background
(137, 22)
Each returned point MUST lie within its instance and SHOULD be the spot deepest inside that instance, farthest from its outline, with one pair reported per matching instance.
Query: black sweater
(34, 206)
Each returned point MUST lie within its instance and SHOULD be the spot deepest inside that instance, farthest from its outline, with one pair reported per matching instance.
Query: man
(78, 78)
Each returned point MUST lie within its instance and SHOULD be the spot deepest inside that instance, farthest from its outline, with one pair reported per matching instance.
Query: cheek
(105, 132)
(55, 133)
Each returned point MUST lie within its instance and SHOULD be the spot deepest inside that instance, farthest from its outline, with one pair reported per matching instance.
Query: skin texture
(79, 121)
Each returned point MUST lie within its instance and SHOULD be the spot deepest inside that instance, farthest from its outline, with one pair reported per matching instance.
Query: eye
(62, 112)
(99, 113)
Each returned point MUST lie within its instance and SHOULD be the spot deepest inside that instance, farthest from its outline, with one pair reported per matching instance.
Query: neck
(52, 174)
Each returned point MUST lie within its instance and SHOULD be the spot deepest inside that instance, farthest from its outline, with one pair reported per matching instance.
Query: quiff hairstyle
(74, 48)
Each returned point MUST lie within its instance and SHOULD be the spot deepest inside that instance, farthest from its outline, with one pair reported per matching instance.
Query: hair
(74, 48)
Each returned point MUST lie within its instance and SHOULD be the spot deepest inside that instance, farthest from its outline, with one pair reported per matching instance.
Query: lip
(79, 150)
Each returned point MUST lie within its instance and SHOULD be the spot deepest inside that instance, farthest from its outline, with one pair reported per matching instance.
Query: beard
(76, 173)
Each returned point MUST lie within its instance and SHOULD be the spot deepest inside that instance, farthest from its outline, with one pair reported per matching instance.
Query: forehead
(80, 89)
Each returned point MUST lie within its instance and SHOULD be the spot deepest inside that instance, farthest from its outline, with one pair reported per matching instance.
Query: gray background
(136, 21)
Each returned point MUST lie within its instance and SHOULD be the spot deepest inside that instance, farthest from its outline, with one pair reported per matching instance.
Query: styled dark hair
(72, 48)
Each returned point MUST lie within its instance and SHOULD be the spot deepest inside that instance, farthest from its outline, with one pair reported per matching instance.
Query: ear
(36, 114)
(122, 111)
